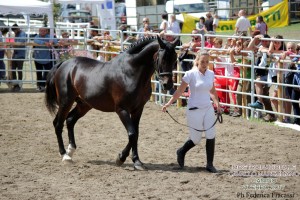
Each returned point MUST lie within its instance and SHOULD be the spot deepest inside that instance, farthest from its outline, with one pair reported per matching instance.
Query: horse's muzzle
(166, 82)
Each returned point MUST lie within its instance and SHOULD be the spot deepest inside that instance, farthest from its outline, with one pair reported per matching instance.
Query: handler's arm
(215, 98)
(176, 95)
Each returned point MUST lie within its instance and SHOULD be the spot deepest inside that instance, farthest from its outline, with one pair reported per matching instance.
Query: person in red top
(210, 40)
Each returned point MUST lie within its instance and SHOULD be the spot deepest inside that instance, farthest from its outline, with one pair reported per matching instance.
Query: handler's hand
(164, 108)
(219, 110)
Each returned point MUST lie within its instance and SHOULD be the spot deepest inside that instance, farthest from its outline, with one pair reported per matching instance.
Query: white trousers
(201, 119)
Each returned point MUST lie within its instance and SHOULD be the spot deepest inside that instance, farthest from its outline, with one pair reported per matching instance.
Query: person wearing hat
(18, 57)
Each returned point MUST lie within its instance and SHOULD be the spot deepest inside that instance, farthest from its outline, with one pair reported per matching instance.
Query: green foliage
(56, 11)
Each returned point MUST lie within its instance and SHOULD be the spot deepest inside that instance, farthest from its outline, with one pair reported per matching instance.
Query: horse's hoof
(138, 165)
(70, 150)
(119, 162)
(66, 158)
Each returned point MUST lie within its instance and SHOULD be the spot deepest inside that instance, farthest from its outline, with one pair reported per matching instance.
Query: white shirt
(216, 22)
(200, 86)
(164, 25)
(174, 27)
(243, 24)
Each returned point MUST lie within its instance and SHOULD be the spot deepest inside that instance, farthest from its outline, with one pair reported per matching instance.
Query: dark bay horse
(122, 85)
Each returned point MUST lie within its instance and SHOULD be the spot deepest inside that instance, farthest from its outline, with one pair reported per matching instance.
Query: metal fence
(109, 48)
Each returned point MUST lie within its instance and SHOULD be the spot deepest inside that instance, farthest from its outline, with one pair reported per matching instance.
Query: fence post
(280, 90)
(152, 98)
(179, 76)
(9, 54)
(244, 86)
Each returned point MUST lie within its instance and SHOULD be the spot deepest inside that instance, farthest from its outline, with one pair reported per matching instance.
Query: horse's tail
(50, 94)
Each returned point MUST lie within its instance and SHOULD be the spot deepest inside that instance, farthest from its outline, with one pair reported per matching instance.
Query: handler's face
(203, 62)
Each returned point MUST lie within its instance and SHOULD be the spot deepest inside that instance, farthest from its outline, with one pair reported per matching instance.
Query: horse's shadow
(171, 167)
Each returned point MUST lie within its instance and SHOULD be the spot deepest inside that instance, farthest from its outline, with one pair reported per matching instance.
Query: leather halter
(156, 66)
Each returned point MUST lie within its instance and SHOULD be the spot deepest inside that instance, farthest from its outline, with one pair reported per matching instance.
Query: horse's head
(166, 59)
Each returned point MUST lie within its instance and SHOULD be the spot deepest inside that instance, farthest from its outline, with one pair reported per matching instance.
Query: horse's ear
(176, 42)
(161, 43)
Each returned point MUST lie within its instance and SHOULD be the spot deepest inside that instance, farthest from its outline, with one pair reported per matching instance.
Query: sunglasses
(145, 21)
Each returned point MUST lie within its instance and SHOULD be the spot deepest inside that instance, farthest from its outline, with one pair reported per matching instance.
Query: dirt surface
(31, 167)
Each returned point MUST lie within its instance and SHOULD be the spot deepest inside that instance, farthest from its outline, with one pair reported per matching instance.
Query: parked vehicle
(196, 8)
(269, 3)
(76, 16)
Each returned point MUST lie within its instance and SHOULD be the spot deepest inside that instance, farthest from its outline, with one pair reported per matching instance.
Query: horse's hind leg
(58, 124)
(79, 111)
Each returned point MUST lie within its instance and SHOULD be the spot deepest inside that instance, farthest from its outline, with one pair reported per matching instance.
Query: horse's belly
(103, 104)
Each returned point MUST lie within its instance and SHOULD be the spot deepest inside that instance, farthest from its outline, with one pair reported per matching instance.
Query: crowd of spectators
(227, 57)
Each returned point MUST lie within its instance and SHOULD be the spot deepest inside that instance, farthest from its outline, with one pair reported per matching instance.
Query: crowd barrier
(108, 48)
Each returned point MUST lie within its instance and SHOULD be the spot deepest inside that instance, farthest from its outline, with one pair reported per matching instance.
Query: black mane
(140, 44)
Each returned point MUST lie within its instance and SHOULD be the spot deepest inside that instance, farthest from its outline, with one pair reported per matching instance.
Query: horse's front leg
(135, 117)
(132, 143)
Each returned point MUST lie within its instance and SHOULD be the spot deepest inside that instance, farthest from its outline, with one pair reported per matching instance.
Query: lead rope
(219, 119)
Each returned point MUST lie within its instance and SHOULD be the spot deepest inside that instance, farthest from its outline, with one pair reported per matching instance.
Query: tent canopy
(28, 7)
(25, 6)
(78, 1)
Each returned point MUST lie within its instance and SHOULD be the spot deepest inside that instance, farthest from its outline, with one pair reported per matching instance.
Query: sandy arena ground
(31, 168)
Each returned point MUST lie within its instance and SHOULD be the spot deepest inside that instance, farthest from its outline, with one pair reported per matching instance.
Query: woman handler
(200, 112)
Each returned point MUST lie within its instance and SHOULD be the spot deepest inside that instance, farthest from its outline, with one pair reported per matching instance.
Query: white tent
(78, 1)
(27, 7)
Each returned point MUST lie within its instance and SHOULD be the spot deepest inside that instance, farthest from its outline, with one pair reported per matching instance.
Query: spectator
(174, 25)
(147, 30)
(245, 86)
(167, 36)
(146, 24)
(127, 39)
(200, 26)
(210, 39)
(65, 48)
(164, 24)
(288, 54)
(103, 43)
(209, 22)
(215, 22)
(93, 46)
(200, 112)
(18, 57)
(219, 70)
(3, 32)
(242, 24)
(42, 56)
(261, 26)
(234, 71)
(296, 96)
(262, 75)
(193, 46)
(275, 52)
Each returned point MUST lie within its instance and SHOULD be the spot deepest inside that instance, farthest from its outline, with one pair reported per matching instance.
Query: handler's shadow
(171, 167)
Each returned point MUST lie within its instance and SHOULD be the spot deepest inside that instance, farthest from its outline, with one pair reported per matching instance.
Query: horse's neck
(146, 55)
(142, 64)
